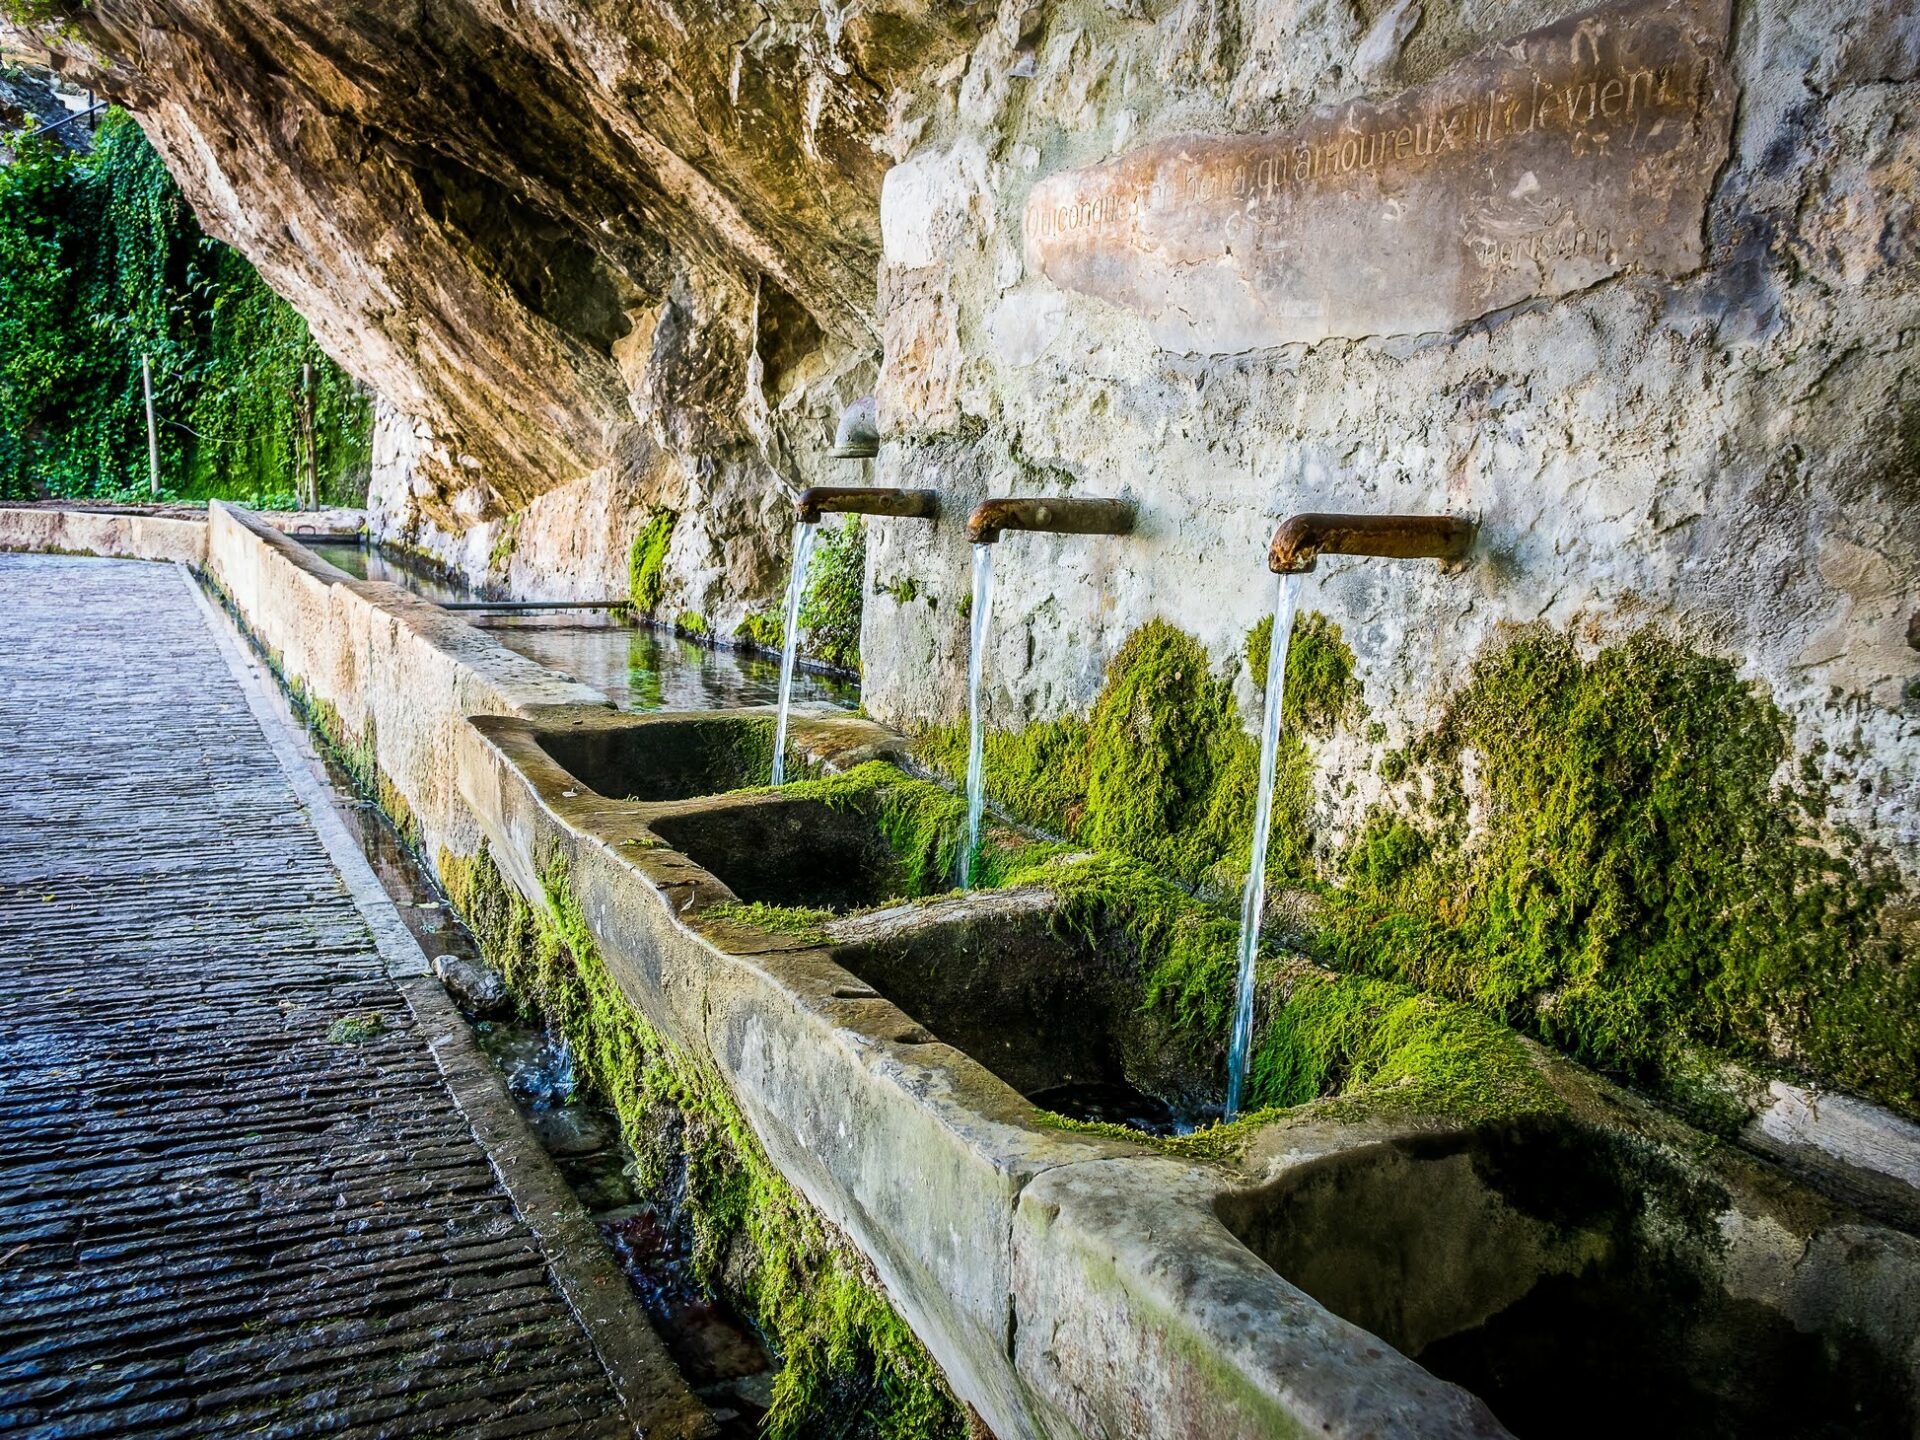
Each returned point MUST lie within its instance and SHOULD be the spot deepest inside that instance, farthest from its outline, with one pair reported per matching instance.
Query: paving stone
(213, 1220)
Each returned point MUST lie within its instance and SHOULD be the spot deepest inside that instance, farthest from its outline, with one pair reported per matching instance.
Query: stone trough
(1597, 1268)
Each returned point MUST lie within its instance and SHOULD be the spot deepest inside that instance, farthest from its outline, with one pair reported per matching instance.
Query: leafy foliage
(836, 589)
(102, 263)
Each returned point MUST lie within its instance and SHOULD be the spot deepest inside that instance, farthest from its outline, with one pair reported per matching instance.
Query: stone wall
(1724, 447)
(102, 532)
(609, 265)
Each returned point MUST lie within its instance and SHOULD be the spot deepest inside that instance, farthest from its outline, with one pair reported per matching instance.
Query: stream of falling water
(1253, 903)
(803, 534)
(976, 722)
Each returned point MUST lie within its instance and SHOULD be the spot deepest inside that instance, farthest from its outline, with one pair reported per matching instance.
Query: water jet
(857, 438)
(1295, 550)
(989, 520)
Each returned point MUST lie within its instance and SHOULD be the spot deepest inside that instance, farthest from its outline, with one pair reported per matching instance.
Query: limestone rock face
(534, 229)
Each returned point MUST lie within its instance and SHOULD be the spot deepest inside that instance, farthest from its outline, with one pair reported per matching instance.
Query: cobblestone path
(219, 1212)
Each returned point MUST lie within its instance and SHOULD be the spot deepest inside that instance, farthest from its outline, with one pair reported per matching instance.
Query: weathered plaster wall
(1731, 453)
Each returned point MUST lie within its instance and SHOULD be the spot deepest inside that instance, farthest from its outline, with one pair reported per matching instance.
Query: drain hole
(914, 1035)
(851, 994)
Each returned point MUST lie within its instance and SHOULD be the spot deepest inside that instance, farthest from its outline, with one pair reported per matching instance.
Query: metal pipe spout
(818, 500)
(1302, 539)
(1058, 517)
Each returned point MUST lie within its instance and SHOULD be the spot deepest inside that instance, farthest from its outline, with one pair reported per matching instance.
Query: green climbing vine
(102, 263)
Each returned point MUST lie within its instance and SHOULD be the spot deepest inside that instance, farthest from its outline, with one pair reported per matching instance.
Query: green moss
(692, 623)
(1384, 1044)
(356, 1029)
(764, 629)
(923, 824)
(803, 1284)
(647, 561)
(794, 921)
(500, 554)
(836, 590)
(1037, 775)
(1641, 881)
(1211, 1142)
(903, 591)
(1170, 769)
(1322, 692)
(1163, 768)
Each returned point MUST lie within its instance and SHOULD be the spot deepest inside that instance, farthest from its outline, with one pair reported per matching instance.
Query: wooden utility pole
(153, 436)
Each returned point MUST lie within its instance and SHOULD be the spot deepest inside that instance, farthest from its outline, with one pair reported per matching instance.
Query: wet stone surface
(219, 1212)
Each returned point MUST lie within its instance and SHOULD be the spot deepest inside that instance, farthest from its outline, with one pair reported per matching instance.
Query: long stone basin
(1332, 1279)
(1600, 1270)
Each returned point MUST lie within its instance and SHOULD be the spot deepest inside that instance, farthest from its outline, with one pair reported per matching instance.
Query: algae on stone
(1637, 877)
(647, 562)
(807, 1288)
(831, 609)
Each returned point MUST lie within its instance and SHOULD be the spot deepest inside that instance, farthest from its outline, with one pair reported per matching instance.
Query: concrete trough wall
(105, 533)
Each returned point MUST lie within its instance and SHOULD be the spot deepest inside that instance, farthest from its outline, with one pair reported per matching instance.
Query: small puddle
(650, 1237)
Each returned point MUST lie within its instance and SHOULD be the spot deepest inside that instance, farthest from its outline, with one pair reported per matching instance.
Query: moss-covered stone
(794, 921)
(762, 629)
(1638, 883)
(924, 824)
(1637, 878)
(1386, 1045)
(1322, 691)
(647, 561)
(1163, 768)
(803, 1284)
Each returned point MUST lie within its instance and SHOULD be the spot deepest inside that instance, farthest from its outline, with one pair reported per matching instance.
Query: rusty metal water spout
(1302, 539)
(818, 500)
(1059, 517)
(1297, 547)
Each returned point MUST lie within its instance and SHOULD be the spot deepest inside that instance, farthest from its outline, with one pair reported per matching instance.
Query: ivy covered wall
(102, 262)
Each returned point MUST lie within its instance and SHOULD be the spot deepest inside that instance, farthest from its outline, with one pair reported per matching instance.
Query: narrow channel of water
(803, 534)
(976, 721)
(637, 667)
(1253, 902)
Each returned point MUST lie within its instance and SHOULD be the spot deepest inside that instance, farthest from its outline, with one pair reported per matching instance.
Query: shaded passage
(234, 1193)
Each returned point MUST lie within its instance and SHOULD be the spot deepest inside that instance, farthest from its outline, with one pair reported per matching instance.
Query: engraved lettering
(1566, 123)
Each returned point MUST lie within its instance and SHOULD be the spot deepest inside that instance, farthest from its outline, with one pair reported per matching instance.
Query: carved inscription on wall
(1537, 167)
